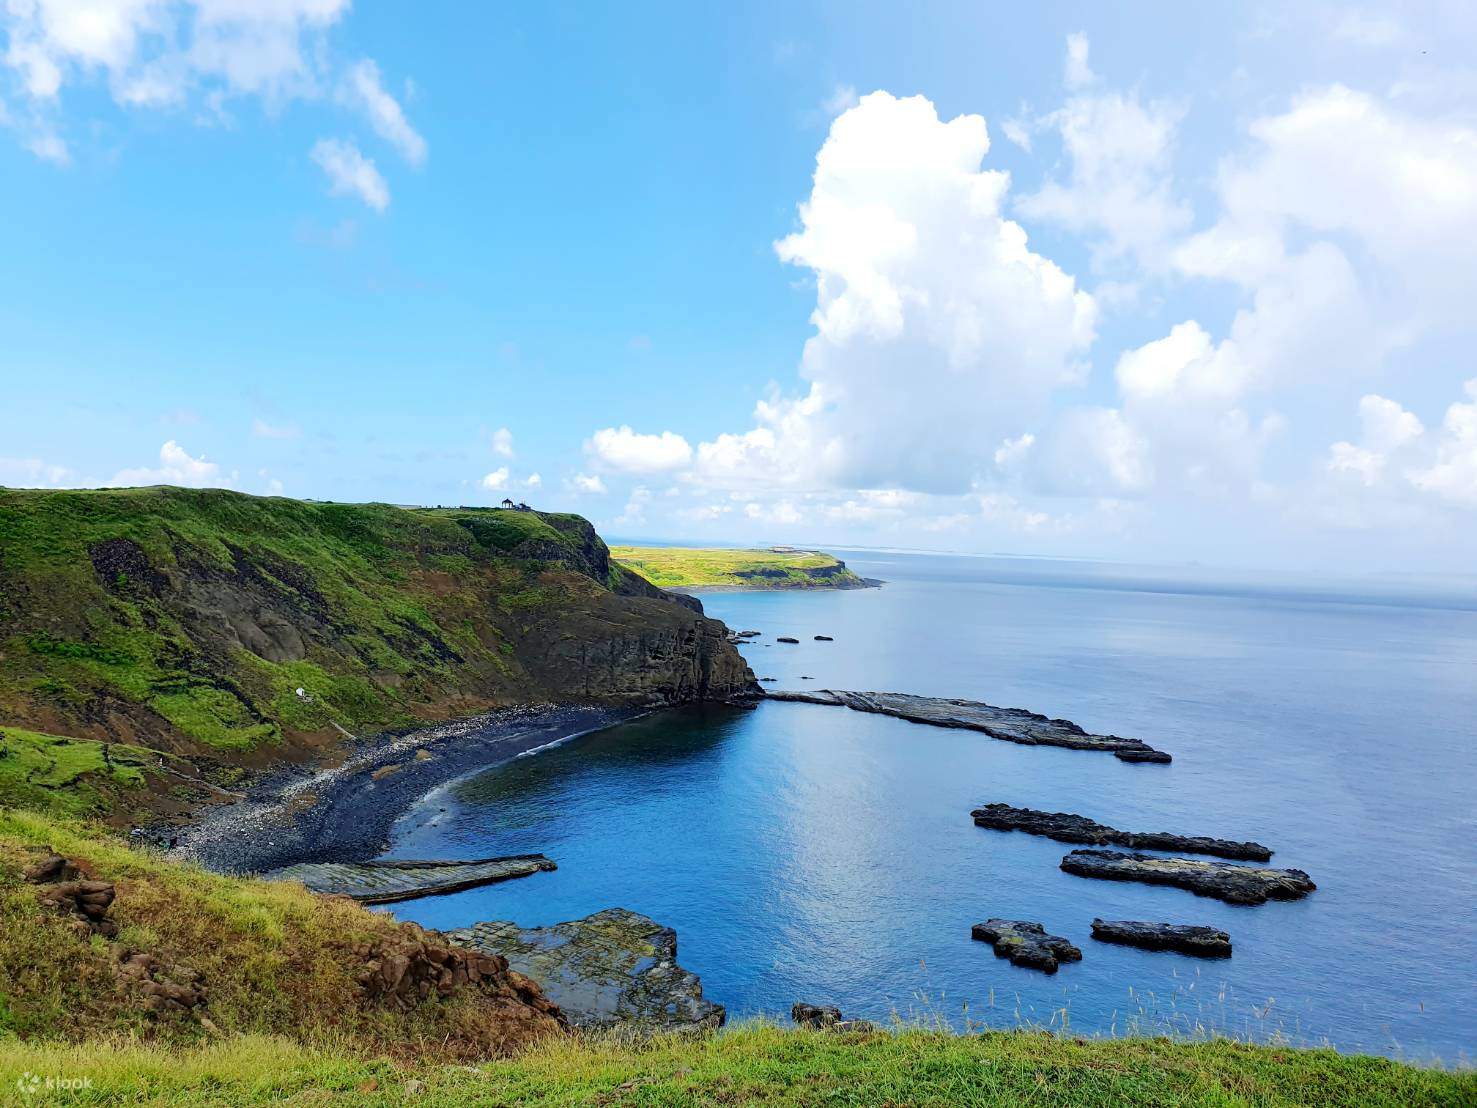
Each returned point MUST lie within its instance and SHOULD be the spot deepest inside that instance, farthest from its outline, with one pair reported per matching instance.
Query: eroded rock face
(1026, 943)
(160, 987)
(614, 968)
(1069, 828)
(411, 965)
(1228, 881)
(1202, 942)
(1015, 725)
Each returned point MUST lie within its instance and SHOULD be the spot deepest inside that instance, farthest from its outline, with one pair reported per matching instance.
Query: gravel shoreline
(345, 813)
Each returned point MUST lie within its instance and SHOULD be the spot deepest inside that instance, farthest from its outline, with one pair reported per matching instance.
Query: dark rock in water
(389, 881)
(1203, 942)
(785, 638)
(1068, 828)
(803, 677)
(1014, 725)
(1026, 943)
(1228, 881)
(827, 1018)
(766, 678)
(615, 968)
(748, 634)
(824, 638)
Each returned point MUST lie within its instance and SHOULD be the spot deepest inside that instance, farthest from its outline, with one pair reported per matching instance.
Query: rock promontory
(1014, 725)
(1228, 881)
(1026, 943)
(1200, 941)
(1070, 828)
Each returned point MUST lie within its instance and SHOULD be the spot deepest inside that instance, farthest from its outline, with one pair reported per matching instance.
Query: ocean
(808, 853)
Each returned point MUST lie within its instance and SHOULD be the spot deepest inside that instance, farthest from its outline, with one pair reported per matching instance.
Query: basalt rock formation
(1202, 942)
(614, 968)
(385, 882)
(1069, 828)
(1026, 943)
(1228, 881)
(1015, 725)
(824, 1017)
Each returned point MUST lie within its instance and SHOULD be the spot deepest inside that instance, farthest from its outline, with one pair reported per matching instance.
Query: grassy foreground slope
(674, 567)
(186, 621)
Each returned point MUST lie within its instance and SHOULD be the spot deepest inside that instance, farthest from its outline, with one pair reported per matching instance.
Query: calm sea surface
(817, 854)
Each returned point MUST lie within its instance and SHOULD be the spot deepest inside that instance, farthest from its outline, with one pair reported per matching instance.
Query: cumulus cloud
(33, 473)
(586, 483)
(1077, 72)
(502, 442)
(350, 173)
(497, 480)
(628, 451)
(532, 481)
(176, 467)
(937, 328)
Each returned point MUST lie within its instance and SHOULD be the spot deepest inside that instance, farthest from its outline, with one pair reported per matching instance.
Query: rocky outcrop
(824, 1017)
(786, 638)
(66, 889)
(1235, 884)
(1068, 828)
(160, 986)
(385, 882)
(1015, 725)
(1202, 942)
(1026, 943)
(410, 965)
(614, 968)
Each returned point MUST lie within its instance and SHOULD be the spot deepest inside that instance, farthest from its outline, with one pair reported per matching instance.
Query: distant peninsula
(682, 568)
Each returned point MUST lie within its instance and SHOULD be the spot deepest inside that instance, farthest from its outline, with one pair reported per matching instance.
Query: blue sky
(1216, 311)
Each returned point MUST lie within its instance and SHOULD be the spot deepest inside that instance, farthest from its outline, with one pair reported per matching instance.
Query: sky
(1164, 283)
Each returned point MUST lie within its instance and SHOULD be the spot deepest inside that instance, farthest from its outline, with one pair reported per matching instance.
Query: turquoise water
(811, 853)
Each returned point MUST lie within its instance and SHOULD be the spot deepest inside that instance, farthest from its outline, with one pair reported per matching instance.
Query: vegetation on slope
(274, 959)
(757, 1064)
(674, 567)
(71, 777)
(188, 620)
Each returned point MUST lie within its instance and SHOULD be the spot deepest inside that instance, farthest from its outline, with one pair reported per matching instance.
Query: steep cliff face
(207, 621)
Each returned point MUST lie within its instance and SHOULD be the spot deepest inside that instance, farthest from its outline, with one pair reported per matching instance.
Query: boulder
(1228, 881)
(1026, 943)
(824, 1017)
(1202, 942)
(1069, 828)
(824, 638)
(786, 638)
(615, 968)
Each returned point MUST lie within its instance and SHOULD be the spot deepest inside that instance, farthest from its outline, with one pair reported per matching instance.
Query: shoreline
(346, 812)
(698, 590)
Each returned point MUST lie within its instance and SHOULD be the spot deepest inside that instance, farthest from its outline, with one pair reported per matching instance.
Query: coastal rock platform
(389, 881)
(1015, 725)
(1202, 942)
(1026, 943)
(614, 968)
(1066, 827)
(1228, 881)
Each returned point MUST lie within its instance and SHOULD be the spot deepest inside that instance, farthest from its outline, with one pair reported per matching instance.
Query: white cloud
(50, 148)
(176, 467)
(33, 473)
(350, 173)
(1077, 72)
(634, 513)
(502, 442)
(497, 480)
(263, 430)
(1452, 474)
(628, 451)
(937, 329)
(364, 90)
(842, 98)
(586, 483)
(1120, 190)
(1018, 132)
(533, 481)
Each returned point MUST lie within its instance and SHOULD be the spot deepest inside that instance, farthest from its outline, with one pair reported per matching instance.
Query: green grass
(692, 567)
(68, 777)
(755, 1064)
(129, 611)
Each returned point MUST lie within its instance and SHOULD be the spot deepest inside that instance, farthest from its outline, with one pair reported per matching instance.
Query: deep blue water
(812, 853)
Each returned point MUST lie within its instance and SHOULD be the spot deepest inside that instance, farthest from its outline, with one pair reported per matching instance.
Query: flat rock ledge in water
(1228, 881)
(1065, 827)
(1202, 942)
(1026, 943)
(612, 969)
(1013, 725)
(825, 1017)
(388, 881)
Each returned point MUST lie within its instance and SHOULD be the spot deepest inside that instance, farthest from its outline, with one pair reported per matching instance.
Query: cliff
(246, 629)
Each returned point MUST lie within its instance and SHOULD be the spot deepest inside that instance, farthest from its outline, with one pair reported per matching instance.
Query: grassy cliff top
(716, 567)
